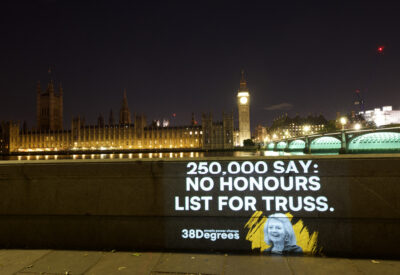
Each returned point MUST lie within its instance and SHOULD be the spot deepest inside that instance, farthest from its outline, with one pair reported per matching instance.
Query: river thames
(156, 155)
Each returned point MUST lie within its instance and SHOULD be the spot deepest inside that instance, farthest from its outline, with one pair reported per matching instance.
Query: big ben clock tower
(243, 99)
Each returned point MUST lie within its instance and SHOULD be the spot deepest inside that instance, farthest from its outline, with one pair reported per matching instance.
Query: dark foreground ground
(157, 263)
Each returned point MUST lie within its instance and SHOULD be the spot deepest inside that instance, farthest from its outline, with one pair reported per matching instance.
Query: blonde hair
(290, 237)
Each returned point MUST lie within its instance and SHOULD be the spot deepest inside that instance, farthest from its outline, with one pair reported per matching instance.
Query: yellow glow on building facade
(109, 137)
(243, 101)
(49, 135)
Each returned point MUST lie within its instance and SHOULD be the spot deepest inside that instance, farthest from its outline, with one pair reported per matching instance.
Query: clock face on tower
(243, 100)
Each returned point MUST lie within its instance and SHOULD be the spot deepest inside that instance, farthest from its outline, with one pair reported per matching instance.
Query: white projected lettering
(291, 185)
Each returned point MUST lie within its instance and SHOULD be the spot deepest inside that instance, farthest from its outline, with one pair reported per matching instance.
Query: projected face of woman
(276, 232)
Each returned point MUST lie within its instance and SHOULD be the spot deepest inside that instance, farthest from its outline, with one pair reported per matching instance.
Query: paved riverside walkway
(25, 262)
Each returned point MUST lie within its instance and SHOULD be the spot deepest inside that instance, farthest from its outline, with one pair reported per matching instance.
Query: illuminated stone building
(286, 127)
(260, 134)
(9, 136)
(295, 130)
(243, 101)
(382, 116)
(124, 113)
(49, 135)
(217, 135)
(49, 107)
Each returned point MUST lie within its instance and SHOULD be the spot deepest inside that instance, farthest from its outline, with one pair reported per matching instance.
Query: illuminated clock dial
(243, 100)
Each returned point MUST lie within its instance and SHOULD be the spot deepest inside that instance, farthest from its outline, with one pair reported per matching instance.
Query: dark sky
(184, 57)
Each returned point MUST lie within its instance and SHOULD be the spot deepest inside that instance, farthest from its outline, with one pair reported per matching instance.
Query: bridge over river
(383, 140)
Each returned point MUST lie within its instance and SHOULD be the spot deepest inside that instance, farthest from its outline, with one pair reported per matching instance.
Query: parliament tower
(243, 100)
(49, 135)
(124, 113)
(49, 107)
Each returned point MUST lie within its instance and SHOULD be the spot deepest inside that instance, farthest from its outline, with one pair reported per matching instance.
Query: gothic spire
(243, 81)
(193, 122)
(50, 87)
(100, 120)
(38, 88)
(125, 100)
(124, 113)
(111, 120)
(60, 89)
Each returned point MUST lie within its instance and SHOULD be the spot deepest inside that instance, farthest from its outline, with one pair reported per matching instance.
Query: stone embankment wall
(347, 205)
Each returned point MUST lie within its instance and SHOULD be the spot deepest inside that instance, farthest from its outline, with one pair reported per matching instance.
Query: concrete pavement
(29, 262)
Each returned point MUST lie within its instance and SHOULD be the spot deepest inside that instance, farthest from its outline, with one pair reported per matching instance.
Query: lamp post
(343, 121)
(306, 130)
(343, 149)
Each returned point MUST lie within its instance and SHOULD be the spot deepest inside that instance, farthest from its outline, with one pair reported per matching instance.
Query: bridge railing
(344, 137)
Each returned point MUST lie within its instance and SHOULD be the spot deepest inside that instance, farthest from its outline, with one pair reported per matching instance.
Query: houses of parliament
(129, 133)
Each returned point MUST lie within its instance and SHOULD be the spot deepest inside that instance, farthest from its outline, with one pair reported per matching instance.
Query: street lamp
(343, 147)
(357, 126)
(306, 129)
(343, 121)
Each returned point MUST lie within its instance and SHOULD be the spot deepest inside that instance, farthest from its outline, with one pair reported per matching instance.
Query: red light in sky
(174, 115)
(380, 49)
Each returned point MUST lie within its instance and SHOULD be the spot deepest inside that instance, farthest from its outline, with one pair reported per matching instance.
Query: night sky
(183, 57)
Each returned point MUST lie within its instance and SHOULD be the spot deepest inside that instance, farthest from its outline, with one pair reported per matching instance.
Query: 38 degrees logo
(260, 181)
(210, 234)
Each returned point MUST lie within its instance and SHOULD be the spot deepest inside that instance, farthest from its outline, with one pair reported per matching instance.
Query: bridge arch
(378, 141)
(325, 143)
(297, 144)
(271, 146)
(281, 145)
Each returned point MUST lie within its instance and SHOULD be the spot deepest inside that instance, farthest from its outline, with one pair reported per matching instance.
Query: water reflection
(166, 155)
(273, 153)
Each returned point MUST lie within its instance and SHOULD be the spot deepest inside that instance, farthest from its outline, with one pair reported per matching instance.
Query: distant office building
(296, 130)
(382, 116)
(260, 133)
(286, 127)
